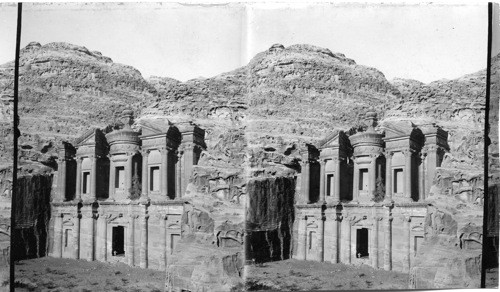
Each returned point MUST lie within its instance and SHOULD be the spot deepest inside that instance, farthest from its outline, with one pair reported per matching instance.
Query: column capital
(388, 153)
(179, 153)
(133, 216)
(406, 218)
(408, 152)
(145, 152)
(339, 218)
(322, 162)
(164, 149)
(374, 155)
(378, 218)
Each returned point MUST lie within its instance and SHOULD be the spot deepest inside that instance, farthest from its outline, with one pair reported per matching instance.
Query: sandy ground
(293, 275)
(50, 274)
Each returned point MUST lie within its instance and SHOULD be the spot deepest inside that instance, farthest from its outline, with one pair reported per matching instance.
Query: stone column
(62, 179)
(90, 236)
(76, 237)
(103, 235)
(320, 238)
(348, 239)
(407, 186)
(93, 179)
(178, 175)
(144, 241)
(305, 179)
(164, 172)
(421, 176)
(112, 178)
(335, 238)
(187, 166)
(58, 236)
(373, 175)
(78, 194)
(145, 175)
(322, 192)
(130, 172)
(355, 182)
(431, 164)
(375, 243)
(406, 256)
(131, 243)
(302, 238)
(388, 177)
(336, 195)
(388, 244)
(163, 235)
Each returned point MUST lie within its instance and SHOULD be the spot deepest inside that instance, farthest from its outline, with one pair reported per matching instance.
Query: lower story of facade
(140, 234)
(384, 236)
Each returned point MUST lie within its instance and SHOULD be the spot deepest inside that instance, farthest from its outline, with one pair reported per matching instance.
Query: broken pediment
(337, 139)
(154, 127)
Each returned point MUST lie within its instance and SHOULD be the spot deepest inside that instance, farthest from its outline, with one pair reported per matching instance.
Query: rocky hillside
(64, 89)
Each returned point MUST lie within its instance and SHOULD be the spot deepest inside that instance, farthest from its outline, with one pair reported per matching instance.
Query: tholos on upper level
(123, 164)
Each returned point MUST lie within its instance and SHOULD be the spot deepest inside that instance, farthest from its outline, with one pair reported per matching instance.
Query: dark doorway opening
(118, 241)
(362, 243)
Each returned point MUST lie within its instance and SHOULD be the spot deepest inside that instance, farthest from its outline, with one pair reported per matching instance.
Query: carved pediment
(398, 129)
(87, 138)
(337, 139)
(154, 127)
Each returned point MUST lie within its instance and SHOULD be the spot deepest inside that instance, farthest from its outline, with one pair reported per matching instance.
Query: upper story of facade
(398, 165)
(154, 163)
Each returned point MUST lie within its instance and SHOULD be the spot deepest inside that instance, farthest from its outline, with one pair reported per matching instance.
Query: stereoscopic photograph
(249, 146)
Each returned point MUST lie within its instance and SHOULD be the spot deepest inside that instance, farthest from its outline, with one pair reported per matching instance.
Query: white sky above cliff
(424, 42)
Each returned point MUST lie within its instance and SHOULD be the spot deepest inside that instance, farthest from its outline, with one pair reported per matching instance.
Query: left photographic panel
(8, 20)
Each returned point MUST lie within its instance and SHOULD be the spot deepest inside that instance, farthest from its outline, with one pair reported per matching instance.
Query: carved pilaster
(178, 174)
(376, 221)
(78, 195)
(163, 235)
(322, 192)
(131, 239)
(408, 153)
(406, 256)
(145, 174)
(144, 241)
(76, 236)
(388, 243)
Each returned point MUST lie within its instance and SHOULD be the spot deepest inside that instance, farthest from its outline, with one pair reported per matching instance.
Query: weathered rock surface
(64, 89)
(269, 219)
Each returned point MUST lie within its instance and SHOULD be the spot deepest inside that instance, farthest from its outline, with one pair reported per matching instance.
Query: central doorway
(118, 241)
(362, 243)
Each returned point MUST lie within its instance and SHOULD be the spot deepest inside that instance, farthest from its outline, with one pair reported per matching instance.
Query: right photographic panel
(368, 157)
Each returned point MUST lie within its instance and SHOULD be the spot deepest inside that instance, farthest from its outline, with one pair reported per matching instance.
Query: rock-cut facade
(361, 197)
(118, 196)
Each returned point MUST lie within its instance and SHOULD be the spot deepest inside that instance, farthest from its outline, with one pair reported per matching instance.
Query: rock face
(269, 219)
(32, 216)
(65, 89)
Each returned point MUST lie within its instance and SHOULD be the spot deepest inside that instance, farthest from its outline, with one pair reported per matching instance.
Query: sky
(425, 42)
